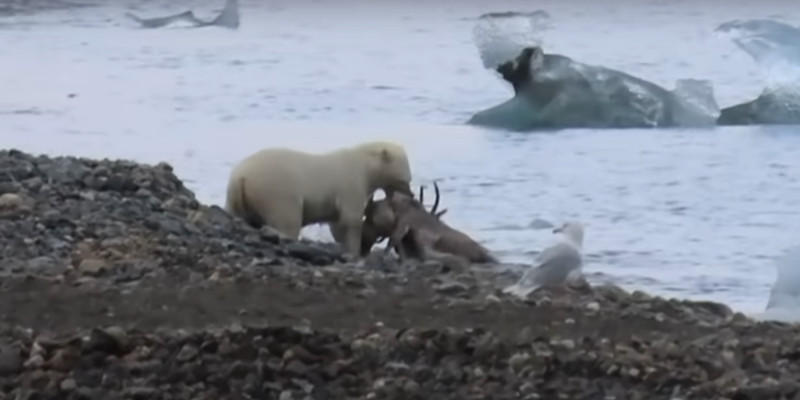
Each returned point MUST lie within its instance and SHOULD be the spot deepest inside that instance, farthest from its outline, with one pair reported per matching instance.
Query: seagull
(784, 297)
(558, 264)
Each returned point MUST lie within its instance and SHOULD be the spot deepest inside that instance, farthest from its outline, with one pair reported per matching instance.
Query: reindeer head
(380, 217)
(379, 220)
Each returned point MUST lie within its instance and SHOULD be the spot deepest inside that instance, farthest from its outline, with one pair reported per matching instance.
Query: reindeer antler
(435, 207)
(435, 202)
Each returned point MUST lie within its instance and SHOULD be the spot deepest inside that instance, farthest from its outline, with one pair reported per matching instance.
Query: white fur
(290, 189)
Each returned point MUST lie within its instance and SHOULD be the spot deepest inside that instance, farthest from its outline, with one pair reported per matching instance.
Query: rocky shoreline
(118, 283)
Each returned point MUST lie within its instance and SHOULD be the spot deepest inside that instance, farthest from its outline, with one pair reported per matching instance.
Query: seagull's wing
(556, 250)
(553, 266)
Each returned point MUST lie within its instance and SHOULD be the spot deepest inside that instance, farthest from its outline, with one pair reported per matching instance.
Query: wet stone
(8, 188)
(312, 254)
(187, 353)
(11, 201)
(11, 361)
(452, 288)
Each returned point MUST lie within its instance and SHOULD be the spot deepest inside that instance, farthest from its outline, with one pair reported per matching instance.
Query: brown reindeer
(418, 233)
(380, 221)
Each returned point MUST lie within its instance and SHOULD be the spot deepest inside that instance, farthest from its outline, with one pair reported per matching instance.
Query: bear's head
(390, 167)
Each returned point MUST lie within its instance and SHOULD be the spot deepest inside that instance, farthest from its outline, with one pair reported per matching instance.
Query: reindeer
(418, 233)
(380, 221)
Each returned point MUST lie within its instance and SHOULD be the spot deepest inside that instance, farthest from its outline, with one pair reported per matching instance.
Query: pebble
(11, 201)
(92, 266)
(10, 360)
(68, 385)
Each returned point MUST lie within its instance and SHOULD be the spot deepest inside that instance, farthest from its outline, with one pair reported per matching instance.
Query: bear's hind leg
(288, 225)
(253, 219)
(286, 219)
(337, 232)
(350, 231)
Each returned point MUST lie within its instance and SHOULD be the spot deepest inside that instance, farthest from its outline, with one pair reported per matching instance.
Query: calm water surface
(688, 213)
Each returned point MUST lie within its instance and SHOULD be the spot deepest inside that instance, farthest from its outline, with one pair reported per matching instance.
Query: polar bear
(288, 189)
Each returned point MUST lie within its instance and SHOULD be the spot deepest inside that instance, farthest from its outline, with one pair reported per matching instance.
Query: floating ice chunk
(227, 18)
(775, 48)
(500, 36)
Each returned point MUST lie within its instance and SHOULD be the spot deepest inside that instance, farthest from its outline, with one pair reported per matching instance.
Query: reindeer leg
(396, 240)
(422, 243)
(389, 246)
(429, 252)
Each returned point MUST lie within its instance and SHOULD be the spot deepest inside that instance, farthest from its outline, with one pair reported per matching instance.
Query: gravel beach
(118, 284)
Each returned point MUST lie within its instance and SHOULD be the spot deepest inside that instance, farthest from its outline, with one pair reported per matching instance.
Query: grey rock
(43, 265)
(92, 266)
(8, 187)
(311, 254)
(11, 201)
(187, 353)
(68, 385)
(112, 340)
(140, 392)
(452, 288)
(10, 360)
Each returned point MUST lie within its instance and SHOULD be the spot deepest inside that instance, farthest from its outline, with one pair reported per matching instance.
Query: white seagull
(558, 264)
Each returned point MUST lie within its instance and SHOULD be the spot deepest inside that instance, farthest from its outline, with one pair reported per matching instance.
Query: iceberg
(775, 48)
(553, 91)
(227, 18)
(499, 36)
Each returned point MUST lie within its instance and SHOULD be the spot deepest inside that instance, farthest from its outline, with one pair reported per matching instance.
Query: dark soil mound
(117, 283)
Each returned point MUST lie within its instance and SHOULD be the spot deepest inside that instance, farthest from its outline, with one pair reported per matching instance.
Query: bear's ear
(386, 156)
